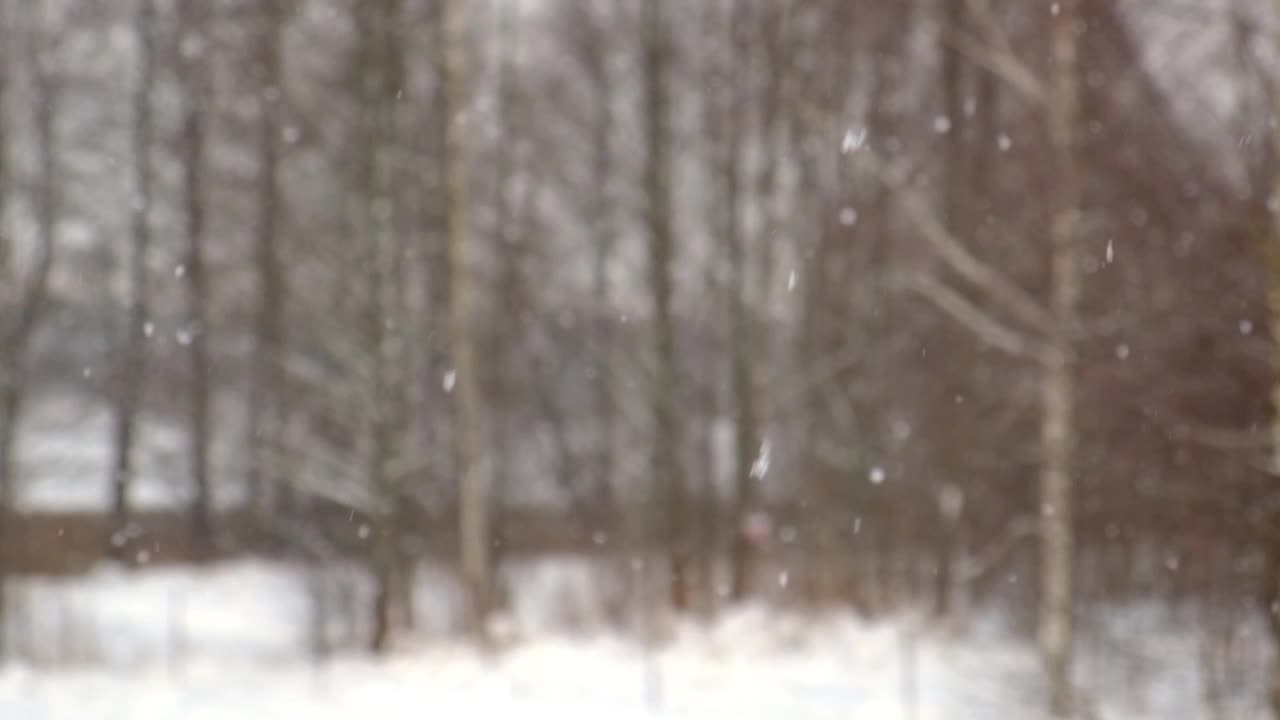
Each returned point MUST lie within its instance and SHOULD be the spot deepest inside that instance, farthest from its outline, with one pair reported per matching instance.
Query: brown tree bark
(670, 511)
(1271, 533)
(20, 313)
(743, 346)
(264, 478)
(191, 33)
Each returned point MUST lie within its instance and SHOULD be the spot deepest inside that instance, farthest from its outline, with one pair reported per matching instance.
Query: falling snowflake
(853, 141)
(760, 467)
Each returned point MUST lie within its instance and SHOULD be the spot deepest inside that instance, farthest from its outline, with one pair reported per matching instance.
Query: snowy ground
(230, 643)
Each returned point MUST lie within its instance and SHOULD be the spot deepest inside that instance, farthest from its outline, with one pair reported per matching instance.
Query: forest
(947, 309)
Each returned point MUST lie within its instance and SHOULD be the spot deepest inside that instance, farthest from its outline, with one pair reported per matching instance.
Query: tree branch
(997, 55)
(953, 253)
(961, 309)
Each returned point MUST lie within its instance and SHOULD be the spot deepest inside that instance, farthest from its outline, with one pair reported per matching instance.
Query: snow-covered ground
(230, 642)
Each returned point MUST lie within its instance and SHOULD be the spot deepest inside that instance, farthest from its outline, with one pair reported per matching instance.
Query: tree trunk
(1271, 528)
(194, 334)
(511, 241)
(603, 233)
(17, 331)
(1058, 389)
(381, 257)
(473, 488)
(10, 412)
(743, 346)
(10, 380)
(130, 368)
(265, 415)
(668, 474)
(955, 183)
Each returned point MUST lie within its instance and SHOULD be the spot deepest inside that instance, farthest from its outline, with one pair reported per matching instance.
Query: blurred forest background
(840, 303)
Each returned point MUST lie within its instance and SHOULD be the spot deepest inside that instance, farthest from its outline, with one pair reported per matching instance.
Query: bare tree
(1059, 391)
(266, 412)
(1052, 333)
(668, 474)
(1271, 255)
(190, 50)
(473, 484)
(131, 352)
(21, 310)
(728, 139)
(378, 59)
(511, 241)
(589, 25)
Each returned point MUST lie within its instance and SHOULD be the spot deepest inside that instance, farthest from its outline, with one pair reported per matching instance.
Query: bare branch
(950, 250)
(1210, 436)
(1001, 62)
(974, 567)
(961, 309)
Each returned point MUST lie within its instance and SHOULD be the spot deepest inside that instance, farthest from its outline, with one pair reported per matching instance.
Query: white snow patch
(229, 642)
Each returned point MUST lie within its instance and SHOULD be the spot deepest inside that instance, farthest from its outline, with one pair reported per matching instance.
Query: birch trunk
(1058, 389)
(473, 490)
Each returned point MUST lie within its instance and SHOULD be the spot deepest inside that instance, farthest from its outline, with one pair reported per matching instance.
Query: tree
(588, 28)
(131, 351)
(472, 483)
(10, 382)
(1271, 255)
(1053, 332)
(190, 50)
(21, 311)
(266, 401)
(728, 140)
(1058, 420)
(667, 468)
(380, 254)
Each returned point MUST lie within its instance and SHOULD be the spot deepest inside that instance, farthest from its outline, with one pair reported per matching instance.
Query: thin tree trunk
(743, 346)
(131, 360)
(10, 380)
(10, 413)
(472, 484)
(1058, 422)
(772, 28)
(195, 332)
(954, 186)
(602, 292)
(15, 336)
(265, 398)
(1271, 530)
(667, 467)
(511, 242)
(382, 258)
